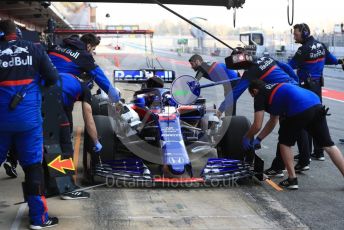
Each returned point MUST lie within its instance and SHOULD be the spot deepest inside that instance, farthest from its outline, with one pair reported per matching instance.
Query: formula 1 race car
(155, 139)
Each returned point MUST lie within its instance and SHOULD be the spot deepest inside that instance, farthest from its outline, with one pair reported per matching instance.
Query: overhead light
(19, 23)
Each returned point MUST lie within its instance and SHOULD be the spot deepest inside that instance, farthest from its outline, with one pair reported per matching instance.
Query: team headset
(305, 33)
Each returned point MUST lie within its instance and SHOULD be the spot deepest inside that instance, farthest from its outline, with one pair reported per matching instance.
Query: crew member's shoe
(273, 173)
(75, 195)
(50, 222)
(297, 157)
(300, 168)
(10, 170)
(318, 157)
(290, 183)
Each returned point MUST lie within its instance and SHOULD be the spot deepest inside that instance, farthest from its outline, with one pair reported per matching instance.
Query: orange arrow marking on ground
(61, 165)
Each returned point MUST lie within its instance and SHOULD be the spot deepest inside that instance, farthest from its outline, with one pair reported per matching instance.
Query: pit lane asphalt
(317, 204)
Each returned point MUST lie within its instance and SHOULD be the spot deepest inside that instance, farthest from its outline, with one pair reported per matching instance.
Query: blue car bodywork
(184, 150)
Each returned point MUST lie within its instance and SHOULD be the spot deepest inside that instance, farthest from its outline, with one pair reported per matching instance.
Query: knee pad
(34, 180)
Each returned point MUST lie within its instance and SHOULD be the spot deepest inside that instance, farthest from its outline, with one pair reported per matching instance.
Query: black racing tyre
(106, 133)
(230, 145)
(87, 160)
(104, 125)
(99, 105)
(95, 105)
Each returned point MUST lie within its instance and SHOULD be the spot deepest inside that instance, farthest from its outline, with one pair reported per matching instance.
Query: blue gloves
(97, 147)
(246, 144)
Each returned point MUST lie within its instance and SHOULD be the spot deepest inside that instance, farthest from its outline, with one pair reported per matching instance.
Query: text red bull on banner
(142, 75)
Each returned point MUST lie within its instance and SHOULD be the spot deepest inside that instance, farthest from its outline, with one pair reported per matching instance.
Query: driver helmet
(155, 82)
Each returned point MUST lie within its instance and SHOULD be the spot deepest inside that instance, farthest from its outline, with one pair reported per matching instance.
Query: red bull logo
(16, 61)
(68, 51)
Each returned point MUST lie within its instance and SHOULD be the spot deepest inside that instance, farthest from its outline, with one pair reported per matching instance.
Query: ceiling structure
(179, 2)
(31, 14)
(35, 14)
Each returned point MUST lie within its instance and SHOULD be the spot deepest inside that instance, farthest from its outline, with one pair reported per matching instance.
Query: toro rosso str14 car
(155, 139)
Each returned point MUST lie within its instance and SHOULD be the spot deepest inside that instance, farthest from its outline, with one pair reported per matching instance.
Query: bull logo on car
(176, 160)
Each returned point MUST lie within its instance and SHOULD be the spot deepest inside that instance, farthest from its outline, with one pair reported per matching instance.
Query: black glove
(325, 111)
(341, 62)
(257, 143)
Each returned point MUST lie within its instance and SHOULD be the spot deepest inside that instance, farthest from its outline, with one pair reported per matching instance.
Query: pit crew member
(299, 109)
(74, 90)
(309, 60)
(269, 71)
(74, 56)
(22, 66)
(215, 72)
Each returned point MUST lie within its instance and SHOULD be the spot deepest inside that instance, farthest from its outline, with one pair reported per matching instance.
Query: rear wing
(140, 76)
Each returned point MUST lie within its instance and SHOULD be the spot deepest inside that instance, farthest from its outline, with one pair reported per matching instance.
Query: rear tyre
(99, 105)
(230, 145)
(106, 134)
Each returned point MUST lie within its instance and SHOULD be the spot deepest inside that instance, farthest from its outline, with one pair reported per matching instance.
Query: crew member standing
(22, 67)
(309, 60)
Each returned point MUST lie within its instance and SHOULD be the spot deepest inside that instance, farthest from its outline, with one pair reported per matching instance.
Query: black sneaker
(341, 141)
(273, 173)
(300, 168)
(289, 183)
(318, 157)
(75, 195)
(51, 222)
(297, 157)
(10, 170)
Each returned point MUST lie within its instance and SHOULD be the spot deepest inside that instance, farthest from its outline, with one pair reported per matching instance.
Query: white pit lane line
(332, 99)
(16, 223)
